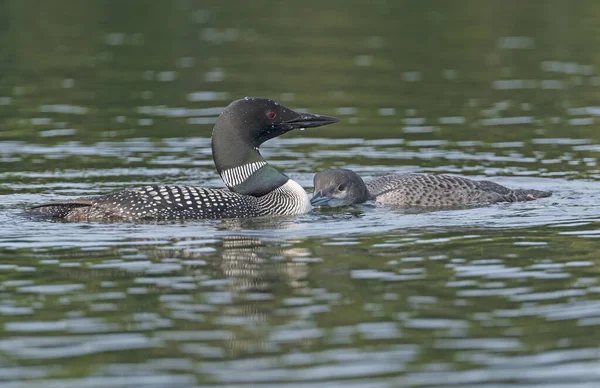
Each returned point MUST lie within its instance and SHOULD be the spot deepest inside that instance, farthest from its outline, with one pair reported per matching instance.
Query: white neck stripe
(235, 176)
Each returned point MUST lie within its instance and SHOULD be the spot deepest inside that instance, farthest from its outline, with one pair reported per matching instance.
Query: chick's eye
(341, 187)
(271, 115)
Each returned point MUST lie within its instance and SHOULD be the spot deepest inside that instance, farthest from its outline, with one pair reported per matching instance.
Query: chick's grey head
(338, 187)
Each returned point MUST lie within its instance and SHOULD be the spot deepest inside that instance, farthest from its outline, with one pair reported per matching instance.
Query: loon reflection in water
(342, 187)
(255, 188)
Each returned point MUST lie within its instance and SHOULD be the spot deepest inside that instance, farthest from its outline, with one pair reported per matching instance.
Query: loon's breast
(424, 190)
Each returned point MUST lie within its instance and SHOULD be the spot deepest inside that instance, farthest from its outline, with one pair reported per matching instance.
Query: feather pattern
(177, 203)
(407, 190)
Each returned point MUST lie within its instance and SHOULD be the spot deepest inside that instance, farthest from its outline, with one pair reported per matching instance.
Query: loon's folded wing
(150, 203)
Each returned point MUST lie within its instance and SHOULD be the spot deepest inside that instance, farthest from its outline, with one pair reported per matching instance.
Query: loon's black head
(338, 187)
(249, 122)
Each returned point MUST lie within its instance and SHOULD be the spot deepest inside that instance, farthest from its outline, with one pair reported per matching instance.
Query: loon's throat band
(237, 175)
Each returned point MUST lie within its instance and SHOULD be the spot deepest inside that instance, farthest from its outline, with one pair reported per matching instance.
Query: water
(105, 96)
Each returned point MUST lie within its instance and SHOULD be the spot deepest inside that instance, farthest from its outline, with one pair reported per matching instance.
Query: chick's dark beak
(319, 199)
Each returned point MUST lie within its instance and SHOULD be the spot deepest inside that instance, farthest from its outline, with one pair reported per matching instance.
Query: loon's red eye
(271, 115)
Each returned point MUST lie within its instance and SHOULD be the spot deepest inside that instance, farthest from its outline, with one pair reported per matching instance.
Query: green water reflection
(100, 95)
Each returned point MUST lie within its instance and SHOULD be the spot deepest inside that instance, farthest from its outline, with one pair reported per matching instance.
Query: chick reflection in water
(342, 187)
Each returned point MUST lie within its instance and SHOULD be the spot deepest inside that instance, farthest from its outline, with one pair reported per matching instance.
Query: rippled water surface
(97, 96)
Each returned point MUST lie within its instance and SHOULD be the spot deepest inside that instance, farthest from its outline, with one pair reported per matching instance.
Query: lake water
(98, 96)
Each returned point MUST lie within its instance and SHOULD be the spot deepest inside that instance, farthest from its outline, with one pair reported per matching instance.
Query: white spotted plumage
(170, 204)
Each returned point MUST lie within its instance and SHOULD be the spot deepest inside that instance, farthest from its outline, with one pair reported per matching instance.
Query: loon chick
(341, 187)
(255, 188)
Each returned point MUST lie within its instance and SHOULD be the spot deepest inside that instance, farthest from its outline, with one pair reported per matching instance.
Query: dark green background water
(97, 96)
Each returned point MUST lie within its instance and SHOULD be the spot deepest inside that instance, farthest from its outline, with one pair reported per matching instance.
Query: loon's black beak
(308, 120)
(319, 199)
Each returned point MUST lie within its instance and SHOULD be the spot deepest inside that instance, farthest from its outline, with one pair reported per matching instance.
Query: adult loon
(341, 187)
(255, 188)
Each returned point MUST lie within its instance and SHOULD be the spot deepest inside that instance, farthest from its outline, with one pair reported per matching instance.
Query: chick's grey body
(254, 188)
(409, 190)
(342, 187)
